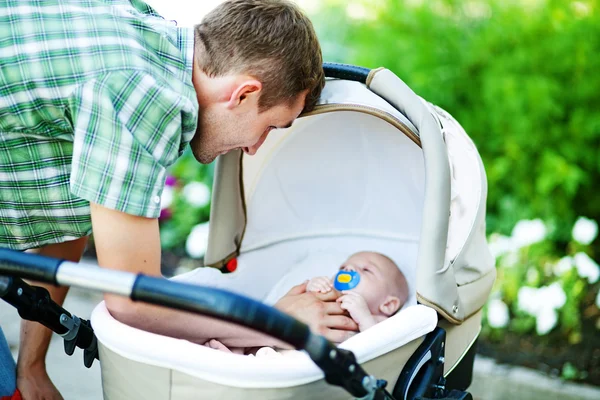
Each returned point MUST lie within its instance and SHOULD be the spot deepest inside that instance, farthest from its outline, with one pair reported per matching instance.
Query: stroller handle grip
(29, 266)
(157, 290)
(346, 71)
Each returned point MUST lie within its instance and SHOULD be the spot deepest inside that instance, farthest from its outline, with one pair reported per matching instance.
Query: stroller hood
(371, 160)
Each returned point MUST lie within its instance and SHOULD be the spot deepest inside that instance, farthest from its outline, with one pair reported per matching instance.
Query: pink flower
(165, 214)
(170, 181)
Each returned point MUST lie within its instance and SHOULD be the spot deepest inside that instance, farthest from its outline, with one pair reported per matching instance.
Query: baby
(379, 294)
(372, 289)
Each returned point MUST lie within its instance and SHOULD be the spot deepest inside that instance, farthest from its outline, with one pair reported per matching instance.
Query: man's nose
(250, 150)
(253, 149)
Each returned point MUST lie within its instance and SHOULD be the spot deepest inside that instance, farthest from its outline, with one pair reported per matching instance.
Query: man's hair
(271, 40)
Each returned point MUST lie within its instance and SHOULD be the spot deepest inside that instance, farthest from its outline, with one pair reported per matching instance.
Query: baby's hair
(386, 257)
(399, 284)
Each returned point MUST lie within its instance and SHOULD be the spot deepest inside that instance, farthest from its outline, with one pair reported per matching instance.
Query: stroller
(372, 167)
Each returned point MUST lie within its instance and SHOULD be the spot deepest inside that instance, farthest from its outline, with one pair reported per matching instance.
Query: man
(98, 98)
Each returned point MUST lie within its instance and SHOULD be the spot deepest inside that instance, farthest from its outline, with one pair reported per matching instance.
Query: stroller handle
(346, 71)
(159, 291)
(339, 365)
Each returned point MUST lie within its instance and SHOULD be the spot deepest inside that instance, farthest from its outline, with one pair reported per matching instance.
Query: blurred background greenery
(523, 78)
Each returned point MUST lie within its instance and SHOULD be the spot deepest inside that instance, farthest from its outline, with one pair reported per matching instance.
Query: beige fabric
(459, 339)
(474, 295)
(474, 265)
(295, 196)
(435, 280)
(145, 382)
(224, 237)
(126, 379)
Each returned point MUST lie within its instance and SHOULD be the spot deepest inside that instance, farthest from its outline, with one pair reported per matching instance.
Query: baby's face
(376, 272)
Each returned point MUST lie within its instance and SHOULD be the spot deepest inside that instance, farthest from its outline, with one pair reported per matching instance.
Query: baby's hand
(358, 308)
(320, 284)
(215, 344)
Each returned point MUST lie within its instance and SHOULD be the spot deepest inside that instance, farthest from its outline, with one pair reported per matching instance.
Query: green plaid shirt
(96, 101)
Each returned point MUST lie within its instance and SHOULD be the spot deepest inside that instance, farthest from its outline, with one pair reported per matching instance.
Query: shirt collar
(185, 42)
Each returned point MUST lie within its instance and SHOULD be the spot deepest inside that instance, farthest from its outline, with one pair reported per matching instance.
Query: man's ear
(247, 90)
(390, 305)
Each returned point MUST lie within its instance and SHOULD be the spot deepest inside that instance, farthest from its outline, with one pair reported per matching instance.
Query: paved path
(491, 381)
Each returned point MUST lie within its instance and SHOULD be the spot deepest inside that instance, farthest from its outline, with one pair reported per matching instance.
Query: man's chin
(203, 158)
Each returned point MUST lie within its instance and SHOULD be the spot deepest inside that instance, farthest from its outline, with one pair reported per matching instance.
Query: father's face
(221, 129)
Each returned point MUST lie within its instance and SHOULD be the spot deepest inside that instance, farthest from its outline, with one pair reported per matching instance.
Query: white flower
(500, 244)
(166, 198)
(534, 301)
(542, 303)
(585, 230)
(528, 300)
(497, 314)
(197, 194)
(528, 232)
(546, 320)
(554, 296)
(197, 241)
(563, 266)
(587, 268)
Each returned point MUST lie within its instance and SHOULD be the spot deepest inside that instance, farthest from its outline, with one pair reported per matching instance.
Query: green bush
(521, 77)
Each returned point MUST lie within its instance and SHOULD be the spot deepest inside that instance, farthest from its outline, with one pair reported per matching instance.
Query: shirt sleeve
(128, 128)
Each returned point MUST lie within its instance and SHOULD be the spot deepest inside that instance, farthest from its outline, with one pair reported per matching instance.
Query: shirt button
(157, 199)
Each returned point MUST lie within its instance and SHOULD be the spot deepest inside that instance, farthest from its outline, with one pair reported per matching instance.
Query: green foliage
(544, 295)
(184, 215)
(521, 77)
(570, 372)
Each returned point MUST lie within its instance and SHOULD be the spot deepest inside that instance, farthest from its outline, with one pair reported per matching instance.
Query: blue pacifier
(346, 280)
